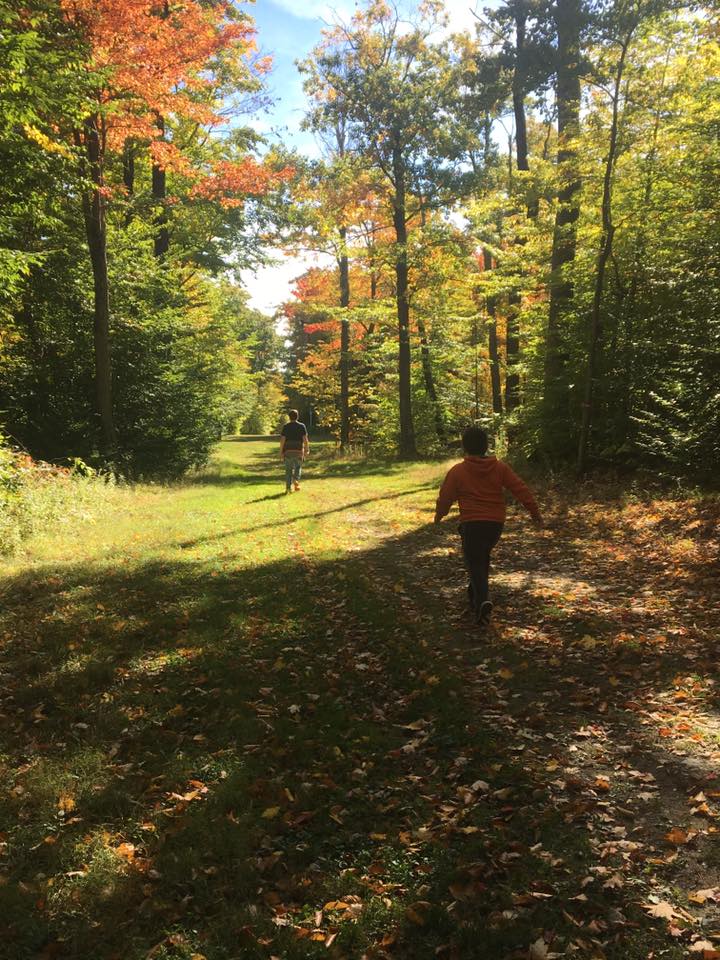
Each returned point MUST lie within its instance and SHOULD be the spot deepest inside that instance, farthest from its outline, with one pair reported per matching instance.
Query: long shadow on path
(204, 760)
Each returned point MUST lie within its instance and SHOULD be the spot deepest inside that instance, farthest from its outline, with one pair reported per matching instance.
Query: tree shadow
(270, 496)
(295, 518)
(215, 755)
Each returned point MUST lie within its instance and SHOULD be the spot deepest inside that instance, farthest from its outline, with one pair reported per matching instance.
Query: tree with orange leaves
(395, 87)
(146, 61)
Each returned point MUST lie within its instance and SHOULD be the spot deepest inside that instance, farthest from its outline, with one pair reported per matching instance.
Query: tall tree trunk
(159, 192)
(476, 377)
(407, 447)
(159, 179)
(344, 342)
(512, 341)
(429, 379)
(519, 91)
(427, 369)
(556, 388)
(518, 87)
(93, 205)
(639, 259)
(512, 350)
(487, 138)
(128, 168)
(491, 304)
(606, 242)
(128, 165)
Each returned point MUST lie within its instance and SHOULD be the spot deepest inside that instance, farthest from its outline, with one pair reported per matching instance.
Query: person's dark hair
(293, 414)
(475, 441)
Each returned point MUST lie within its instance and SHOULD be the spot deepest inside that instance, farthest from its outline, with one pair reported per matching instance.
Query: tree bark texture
(344, 342)
(606, 242)
(429, 379)
(159, 192)
(512, 341)
(556, 403)
(93, 205)
(407, 447)
(491, 306)
(128, 164)
(512, 350)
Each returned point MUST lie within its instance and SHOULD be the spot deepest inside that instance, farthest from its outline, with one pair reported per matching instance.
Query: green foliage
(34, 495)
(183, 349)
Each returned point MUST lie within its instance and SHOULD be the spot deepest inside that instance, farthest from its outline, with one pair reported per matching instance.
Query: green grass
(225, 708)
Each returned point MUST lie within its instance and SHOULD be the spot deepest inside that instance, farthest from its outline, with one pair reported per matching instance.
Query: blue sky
(288, 30)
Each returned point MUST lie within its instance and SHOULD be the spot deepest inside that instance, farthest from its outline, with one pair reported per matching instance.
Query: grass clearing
(241, 724)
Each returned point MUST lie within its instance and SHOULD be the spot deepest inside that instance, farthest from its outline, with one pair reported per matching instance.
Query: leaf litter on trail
(479, 785)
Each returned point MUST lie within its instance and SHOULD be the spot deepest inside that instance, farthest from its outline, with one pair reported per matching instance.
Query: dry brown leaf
(126, 851)
(538, 950)
(701, 896)
(415, 917)
(663, 910)
(678, 836)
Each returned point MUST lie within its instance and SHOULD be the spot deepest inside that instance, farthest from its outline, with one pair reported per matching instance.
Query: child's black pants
(478, 539)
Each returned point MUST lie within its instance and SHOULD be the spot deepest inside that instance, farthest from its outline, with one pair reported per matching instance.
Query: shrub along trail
(239, 724)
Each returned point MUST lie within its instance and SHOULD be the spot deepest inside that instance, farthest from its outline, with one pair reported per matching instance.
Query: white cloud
(314, 9)
(460, 14)
(271, 286)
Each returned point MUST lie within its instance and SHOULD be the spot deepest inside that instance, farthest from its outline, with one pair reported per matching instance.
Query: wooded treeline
(521, 228)
(525, 228)
(132, 195)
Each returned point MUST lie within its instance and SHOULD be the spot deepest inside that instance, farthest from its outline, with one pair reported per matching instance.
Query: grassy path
(238, 724)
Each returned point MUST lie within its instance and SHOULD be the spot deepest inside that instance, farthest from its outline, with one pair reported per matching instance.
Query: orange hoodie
(477, 484)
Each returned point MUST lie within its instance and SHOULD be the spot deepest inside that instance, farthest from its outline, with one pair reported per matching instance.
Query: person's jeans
(293, 469)
(478, 539)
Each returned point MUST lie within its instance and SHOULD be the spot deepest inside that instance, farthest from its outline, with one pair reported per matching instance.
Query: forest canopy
(518, 226)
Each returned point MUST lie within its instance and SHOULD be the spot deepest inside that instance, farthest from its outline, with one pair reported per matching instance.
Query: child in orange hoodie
(477, 483)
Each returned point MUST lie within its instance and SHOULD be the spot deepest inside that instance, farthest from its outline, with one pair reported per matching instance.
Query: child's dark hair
(475, 441)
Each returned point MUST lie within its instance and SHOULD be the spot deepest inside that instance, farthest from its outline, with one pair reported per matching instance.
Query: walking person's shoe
(288, 490)
(296, 485)
(484, 613)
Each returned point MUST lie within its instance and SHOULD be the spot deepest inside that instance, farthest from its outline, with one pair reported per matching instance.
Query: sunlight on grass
(244, 725)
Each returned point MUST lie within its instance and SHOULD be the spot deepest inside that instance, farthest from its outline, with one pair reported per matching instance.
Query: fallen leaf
(678, 836)
(415, 917)
(415, 725)
(538, 950)
(336, 905)
(701, 896)
(663, 910)
(700, 946)
(126, 851)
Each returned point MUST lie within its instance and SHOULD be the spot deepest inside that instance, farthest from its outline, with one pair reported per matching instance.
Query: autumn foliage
(152, 60)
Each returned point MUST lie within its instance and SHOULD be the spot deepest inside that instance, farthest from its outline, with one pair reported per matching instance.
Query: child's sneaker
(484, 613)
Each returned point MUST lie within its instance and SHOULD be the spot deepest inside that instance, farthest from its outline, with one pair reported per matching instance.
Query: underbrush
(36, 495)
